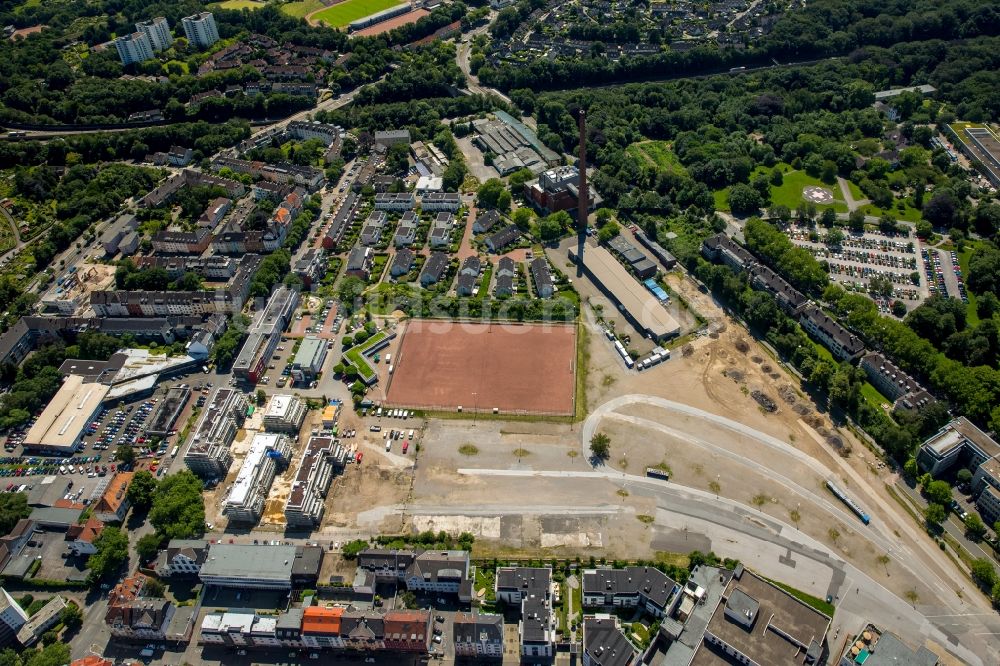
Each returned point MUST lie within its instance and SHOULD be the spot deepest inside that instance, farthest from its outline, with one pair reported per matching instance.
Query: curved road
(944, 579)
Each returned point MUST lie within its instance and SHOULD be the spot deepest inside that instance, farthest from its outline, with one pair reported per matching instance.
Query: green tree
(600, 446)
(261, 398)
(140, 491)
(125, 454)
(935, 514)
(744, 200)
(13, 507)
(71, 616)
(350, 289)
(983, 572)
(856, 220)
(493, 195)
(963, 476)
(975, 528)
(523, 217)
(178, 510)
(353, 548)
(112, 552)
(147, 546)
(938, 492)
(549, 229)
(608, 231)
(53, 654)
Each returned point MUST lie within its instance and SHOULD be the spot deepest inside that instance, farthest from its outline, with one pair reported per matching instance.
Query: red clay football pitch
(516, 368)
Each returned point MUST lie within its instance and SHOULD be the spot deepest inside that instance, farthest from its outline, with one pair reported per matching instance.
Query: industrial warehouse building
(59, 429)
(634, 301)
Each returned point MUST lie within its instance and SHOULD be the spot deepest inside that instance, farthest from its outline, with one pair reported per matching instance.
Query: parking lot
(307, 322)
(125, 423)
(860, 258)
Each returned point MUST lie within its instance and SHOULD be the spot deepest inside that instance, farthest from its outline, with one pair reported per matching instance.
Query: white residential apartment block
(285, 413)
(158, 31)
(208, 454)
(200, 29)
(246, 499)
(307, 498)
(134, 48)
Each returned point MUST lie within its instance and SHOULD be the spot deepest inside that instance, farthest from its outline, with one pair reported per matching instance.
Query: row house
(341, 221)
(721, 247)
(632, 587)
(468, 276)
(214, 212)
(842, 343)
(130, 615)
(437, 571)
(541, 275)
(502, 239)
(182, 557)
(395, 201)
(214, 267)
(371, 232)
(478, 636)
(904, 391)
(485, 221)
(310, 267)
(514, 584)
(402, 263)
(438, 201)
(190, 178)
(504, 277)
(265, 190)
(359, 262)
(406, 232)
(440, 233)
(789, 299)
(182, 242)
(434, 269)
(163, 303)
(295, 88)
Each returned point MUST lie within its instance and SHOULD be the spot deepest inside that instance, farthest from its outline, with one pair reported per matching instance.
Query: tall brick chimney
(583, 203)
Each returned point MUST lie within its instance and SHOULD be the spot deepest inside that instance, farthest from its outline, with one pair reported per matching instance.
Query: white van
(388, 445)
(411, 435)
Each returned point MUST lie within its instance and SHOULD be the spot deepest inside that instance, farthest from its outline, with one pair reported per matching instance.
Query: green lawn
(873, 397)
(345, 12)
(658, 152)
(237, 4)
(721, 199)
(356, 354)
(819, 604)
(963, 262)
(855, 191)
(300, 8)
(789, 193)
(907, 213)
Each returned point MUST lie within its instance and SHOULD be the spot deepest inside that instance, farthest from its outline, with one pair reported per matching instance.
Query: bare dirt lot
(514, 368)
